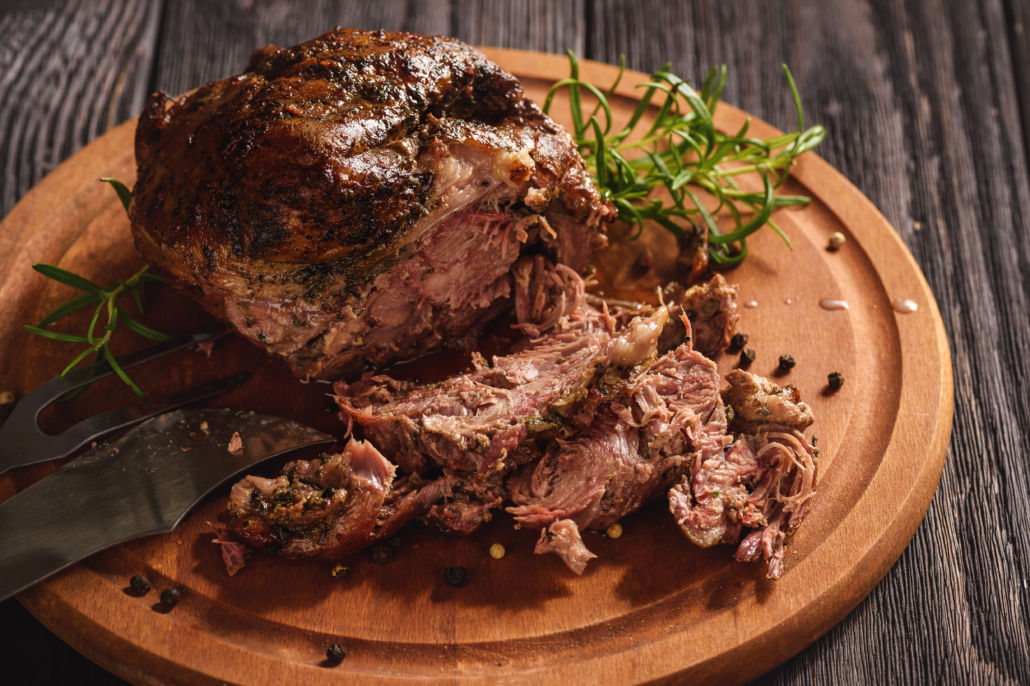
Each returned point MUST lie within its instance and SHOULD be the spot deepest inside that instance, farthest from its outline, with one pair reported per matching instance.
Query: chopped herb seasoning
(614, 531)
(170, 597)
(738, 341)
(836, 380)
(139, 584)
(747, 356)
(787, 362)
(455, 576)
(381, 554)
(497, 551)
(336, 653)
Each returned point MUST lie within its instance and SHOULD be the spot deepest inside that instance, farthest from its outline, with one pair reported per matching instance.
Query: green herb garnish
(106, 301)
(682, 151)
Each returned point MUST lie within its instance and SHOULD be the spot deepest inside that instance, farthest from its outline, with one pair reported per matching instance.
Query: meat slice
(638, 447)
(361, 197)
(323, 509)
(475, 422)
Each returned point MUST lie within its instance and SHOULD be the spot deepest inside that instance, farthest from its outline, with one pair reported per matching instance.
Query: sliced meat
(474, 422)
(323, 509)
(577, 427)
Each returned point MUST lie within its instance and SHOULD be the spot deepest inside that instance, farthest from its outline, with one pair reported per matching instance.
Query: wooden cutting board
(651, 607)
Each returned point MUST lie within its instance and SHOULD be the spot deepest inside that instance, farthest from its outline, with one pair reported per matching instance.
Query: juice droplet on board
(905, 306)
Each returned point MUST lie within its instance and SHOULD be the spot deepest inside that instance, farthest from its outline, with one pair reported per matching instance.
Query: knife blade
(140, 483)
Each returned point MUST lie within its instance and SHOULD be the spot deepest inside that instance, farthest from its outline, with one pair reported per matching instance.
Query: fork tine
(33, 403)
(101, 370)
(91, 428)
(21, 441)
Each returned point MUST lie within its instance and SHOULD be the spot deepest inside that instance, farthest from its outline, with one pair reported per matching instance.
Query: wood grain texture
(906, 91)
(923, 114)
(651, 606)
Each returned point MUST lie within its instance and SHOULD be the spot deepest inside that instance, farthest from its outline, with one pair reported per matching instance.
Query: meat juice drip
(905, 306)
(829, 304)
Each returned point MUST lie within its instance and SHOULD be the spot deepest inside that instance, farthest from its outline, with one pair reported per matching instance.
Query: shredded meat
(563, 538)
(758, 402)
(233, 552)
(322, 509)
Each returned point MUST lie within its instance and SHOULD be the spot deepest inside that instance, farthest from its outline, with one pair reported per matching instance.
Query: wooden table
(927, 108)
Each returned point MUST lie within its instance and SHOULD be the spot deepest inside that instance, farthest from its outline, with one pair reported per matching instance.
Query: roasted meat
(362, 197)
(584, 424)
(324, 508)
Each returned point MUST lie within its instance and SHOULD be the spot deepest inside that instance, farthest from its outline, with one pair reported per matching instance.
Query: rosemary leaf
(124, 194)
(142, 330)
(121, 373)
(66, 277)
(685, 154)
(53, 335)
(73, 305)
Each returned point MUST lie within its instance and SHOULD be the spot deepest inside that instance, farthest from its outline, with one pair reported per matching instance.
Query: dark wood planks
(927, 104)
(69, 71)
(924, 115)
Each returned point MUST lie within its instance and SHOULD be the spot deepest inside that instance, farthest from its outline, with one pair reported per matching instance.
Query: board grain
(884, 76)
(653, 607)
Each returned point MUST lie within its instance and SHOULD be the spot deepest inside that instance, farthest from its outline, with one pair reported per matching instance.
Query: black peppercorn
(738, 341)
(787, 362)
(455, 576)
(381, 554)
(836, 380)
(394, 542)
(139, 584)
(336, 653)
(747, 356)
(170, 597)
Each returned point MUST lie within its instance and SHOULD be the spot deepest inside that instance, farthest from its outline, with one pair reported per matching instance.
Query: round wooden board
(651, 608)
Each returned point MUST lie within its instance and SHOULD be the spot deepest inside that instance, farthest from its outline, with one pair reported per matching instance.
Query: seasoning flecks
(787, 362)
(381, 554)
(836, 240)
(614, 531)
(836, 380)
(738, 341)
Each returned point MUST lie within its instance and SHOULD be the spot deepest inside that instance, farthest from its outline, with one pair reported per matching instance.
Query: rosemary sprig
(682, 151)
(105, 301)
